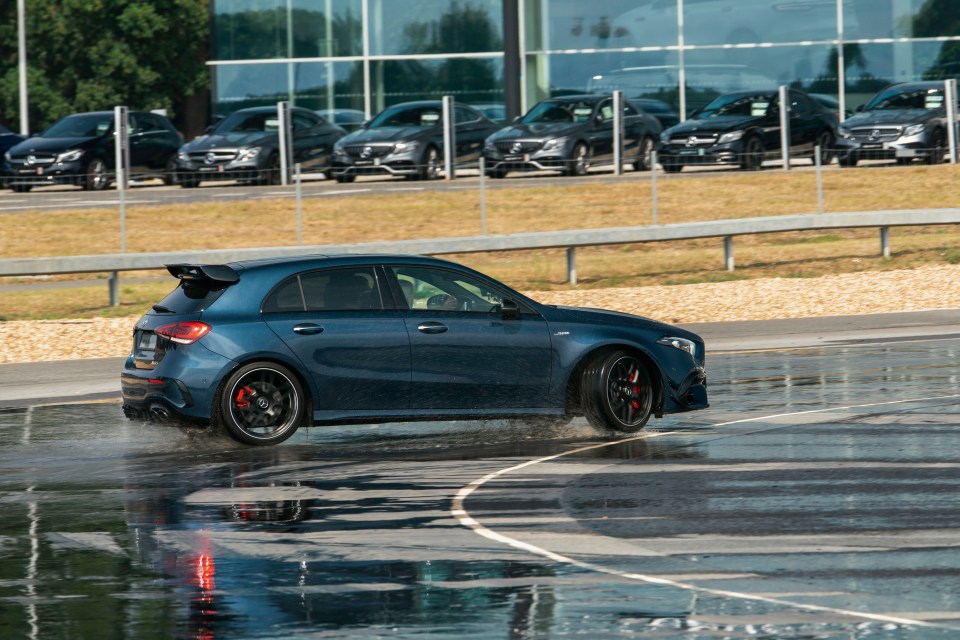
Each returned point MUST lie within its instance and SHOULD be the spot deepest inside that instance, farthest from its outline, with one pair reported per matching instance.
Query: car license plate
(691, 152)
(514, 158)
(364, 163)
(39, 171)
(218, 168)
(872, 145)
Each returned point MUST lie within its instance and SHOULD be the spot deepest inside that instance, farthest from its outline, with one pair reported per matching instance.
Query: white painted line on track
(459, 512)
(340, 192)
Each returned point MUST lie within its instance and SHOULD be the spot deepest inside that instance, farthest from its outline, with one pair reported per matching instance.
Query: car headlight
(665, 137)
(7, 156)
(554, 143)
(248, 154)
(680, 343)
(489, 146)
(70, 156)
(914, 129)
(845, 132)
(733, 136)
(405, 146)
(183, 155)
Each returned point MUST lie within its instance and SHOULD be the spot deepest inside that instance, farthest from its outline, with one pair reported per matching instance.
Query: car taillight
(183, 332)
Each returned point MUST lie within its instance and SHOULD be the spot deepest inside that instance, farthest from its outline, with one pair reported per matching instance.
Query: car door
(635, 127)
(805, 124)
(152, 143)
(466, 355)
(355, 348)
(471, 129)
(312, 141)
(599, 127)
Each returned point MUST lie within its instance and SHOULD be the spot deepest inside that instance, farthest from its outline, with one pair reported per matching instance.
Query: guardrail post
(114, 285)
(572, 265)
(885, 241)
(728, 252)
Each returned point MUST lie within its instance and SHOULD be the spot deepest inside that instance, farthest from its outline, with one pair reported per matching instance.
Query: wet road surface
(816, 499)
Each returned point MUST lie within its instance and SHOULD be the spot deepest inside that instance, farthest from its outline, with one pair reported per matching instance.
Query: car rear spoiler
(219, 273)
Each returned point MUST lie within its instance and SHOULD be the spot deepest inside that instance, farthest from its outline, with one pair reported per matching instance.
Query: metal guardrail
(569, 239)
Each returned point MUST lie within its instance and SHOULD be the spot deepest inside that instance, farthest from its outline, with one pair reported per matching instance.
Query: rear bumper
(180, 387)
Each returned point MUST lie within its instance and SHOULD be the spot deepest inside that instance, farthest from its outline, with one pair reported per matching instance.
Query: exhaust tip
(159, 413)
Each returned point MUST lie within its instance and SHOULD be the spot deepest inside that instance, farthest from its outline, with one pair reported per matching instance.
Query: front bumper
(717, 154)
(903, 147)
(398, 163)
(552, 160)
(233, 170)
(20, 173)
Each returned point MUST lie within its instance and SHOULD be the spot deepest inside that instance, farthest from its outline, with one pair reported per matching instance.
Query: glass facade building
(369, 54)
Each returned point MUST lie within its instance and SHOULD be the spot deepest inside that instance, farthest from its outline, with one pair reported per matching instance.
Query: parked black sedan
(903, 121)
(743, 128)
(262, 347)
(80, 149)
(407, 140)
(246, 146)
(567, 134)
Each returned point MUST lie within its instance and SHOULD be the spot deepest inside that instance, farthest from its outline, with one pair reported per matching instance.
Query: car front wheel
(579, 162)
(617, 392)
(644, 161)
(261, 403)
(752, 159)
(935, 155)
(96, 178)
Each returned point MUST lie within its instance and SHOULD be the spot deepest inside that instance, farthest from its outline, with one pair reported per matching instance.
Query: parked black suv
(904, 121)
(407, 140)
(246, 146)
(80, 149)
(743, 128)
(567, 133)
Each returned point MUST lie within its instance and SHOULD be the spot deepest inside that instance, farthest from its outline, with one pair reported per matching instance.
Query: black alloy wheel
(825, 142)
(752, 159)
(429, 168)
(617, 392)
(271, 174)
(96, 178)
(644, 160)
(935, 155)
(261, 403)
(579, 162)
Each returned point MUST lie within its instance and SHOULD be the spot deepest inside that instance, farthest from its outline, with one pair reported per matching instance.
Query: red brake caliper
(636, 389)
(241, 402)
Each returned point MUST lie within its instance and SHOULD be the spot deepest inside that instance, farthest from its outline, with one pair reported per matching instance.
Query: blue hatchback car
(260, 348)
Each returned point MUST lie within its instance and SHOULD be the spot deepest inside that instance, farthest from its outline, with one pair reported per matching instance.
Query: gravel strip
(928, 287)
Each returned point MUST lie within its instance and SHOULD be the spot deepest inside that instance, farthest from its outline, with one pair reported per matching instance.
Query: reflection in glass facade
(369, 54)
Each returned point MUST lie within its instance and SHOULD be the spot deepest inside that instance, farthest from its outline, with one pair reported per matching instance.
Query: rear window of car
(192, 297)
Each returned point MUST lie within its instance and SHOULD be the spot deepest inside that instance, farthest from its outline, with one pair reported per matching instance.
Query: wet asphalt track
(817, 498)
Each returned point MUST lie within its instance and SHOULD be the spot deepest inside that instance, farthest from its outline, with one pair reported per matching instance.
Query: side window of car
(463, 116)
(342, 289)
(629, 109)
(302, 123)
(433, 289)
(799, 105)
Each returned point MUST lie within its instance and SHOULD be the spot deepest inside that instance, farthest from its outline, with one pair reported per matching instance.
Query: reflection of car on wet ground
(246, 146)
(80, 150)
(743, 128)
(407, 140)
(260, 348)
(568, 134)
(903, 121)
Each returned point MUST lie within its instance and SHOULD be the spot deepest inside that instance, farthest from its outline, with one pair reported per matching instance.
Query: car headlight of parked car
(665, 137)
(732, 136)
(182, 155)
(844, 132)
(248, 154)
(70, 156)
(914, 129)
(7, 156)
(554, 143)
(409, 145)
(679, 343)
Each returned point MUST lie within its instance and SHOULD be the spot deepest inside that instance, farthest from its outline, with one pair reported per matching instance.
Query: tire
(95, 177)
(644, 161)
(261, 404)
(170, 172)
(579, 162)
(188, 180)
(617, 392)
(345, 178)
(935, 156)
(670, 167)
(847, 161)
(21, 188)
(497, 173)
(825, 142)
(752, 155)
(271, 174)
(429, 168)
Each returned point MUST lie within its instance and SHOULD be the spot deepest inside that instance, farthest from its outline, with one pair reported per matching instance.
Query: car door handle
(431, 327)
(308, 329)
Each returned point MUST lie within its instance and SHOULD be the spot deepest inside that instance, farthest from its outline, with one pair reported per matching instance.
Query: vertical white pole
(682, 75)
(299, 207)
(572, 265)
(785, 126)
(818, 159)
(950, 93)
(483, 195)
(653, 184)
(120, 164)
(841, 64)
(618, 132)
(449, 138)
(283, 116)
(728, 252)
(22, 74)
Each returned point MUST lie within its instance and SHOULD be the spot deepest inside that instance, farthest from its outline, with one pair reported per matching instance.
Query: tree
(85, 55)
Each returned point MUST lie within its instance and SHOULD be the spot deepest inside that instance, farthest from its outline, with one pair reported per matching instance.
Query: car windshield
(423, 116)
(258, 122)
(903, 98)
(550, 111)
(737, 105)
(85, 125)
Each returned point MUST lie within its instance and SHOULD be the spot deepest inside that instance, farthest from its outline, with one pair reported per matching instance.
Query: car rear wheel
(96, 178)
(752, 159)
(617, 392)
(260, 404)
(579, 162)
(644, 161)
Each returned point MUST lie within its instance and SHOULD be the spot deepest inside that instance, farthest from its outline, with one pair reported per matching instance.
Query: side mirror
(509, 309)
